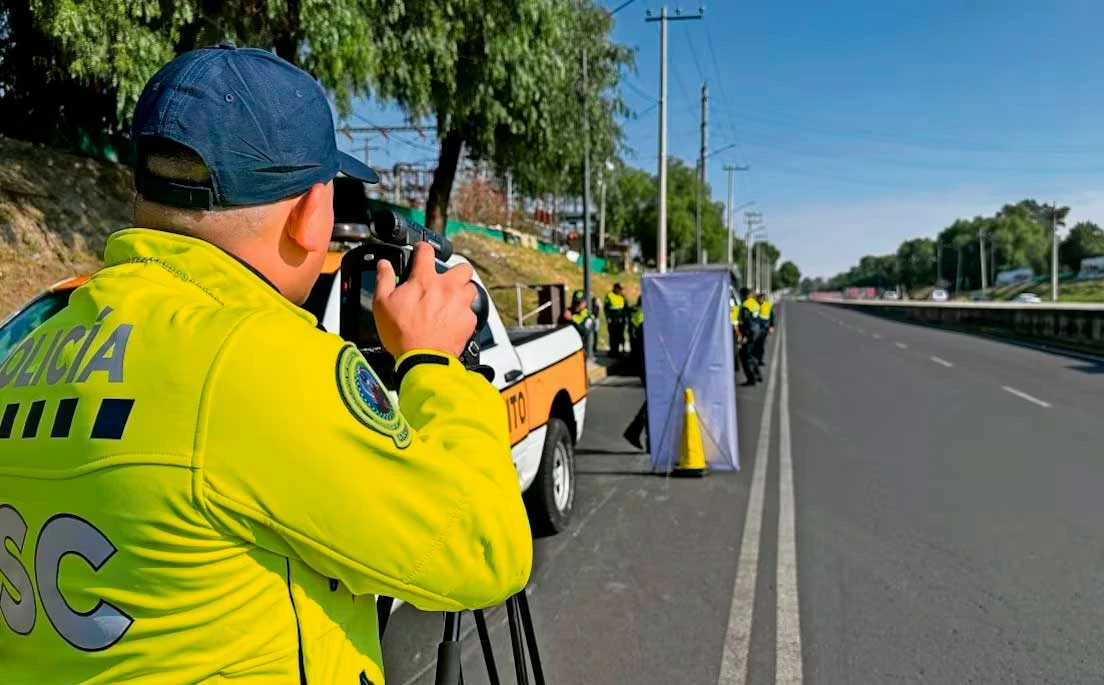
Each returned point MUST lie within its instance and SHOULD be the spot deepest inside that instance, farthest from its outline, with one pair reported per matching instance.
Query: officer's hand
(430, 311)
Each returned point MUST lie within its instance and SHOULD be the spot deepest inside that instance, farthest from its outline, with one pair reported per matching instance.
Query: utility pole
(981, 248)
(938, 263)
(602, 216)
(752, 219)
(509, 199)
(586, 200)
(728, 223)
(731, 224)
(701, 173)
(958, 270)
(661, 232)
(1054, 253)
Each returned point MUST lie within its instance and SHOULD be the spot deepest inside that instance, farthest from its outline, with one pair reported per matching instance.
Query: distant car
(890, 295)
(1028, 298)
(939, 295)
(979, 297)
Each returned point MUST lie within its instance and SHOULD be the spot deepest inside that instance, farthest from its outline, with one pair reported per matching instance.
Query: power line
(716, 64)
(910, 140)
(694, 53)
(621, 7)
(638, 90)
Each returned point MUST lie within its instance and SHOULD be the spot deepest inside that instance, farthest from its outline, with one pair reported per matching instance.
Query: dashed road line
(787, 650)
(941, 361)
(1024, 396)
(901, 345)
(734, 662)
(876, 336)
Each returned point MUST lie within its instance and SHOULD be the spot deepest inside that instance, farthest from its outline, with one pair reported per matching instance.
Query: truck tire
(551, 498)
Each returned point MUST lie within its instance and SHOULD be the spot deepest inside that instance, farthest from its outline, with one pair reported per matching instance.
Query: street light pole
(1054, 253)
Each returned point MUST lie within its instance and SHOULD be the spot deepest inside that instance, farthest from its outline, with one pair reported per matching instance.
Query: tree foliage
(121, 43)
(787, 276)
(1017, 235)
(1085, 239)
(633, 213)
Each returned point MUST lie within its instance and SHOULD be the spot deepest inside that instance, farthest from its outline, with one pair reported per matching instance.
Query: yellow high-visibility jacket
(197, 485)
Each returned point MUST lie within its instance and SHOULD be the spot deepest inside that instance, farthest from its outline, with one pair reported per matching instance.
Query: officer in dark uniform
(616, 308)
(747, 327)
(766, 327)
(639, 425)
(580, 317)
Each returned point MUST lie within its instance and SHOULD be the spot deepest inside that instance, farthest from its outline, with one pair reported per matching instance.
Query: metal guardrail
(1066, 325)
(1089, 306)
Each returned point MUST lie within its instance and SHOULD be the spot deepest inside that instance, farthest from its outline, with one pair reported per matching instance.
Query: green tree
(502, 79)
(1085, 239)
(39, 99)
(916, 258)
(787, 276)
(123, 42)
(629, 201)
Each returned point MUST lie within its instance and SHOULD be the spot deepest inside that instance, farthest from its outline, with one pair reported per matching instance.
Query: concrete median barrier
(1077, 327)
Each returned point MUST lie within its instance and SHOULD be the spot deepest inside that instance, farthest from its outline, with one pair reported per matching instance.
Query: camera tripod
(449, 668)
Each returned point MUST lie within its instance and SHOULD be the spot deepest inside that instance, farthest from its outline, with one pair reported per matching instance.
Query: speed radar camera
(384, 235)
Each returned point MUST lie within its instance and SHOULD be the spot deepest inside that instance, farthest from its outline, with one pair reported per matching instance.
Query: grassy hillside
(501, 265)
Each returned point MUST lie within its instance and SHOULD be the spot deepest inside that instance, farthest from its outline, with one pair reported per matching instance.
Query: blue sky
(866, 122)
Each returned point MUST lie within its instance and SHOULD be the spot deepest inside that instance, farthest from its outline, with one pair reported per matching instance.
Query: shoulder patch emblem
(367, 399)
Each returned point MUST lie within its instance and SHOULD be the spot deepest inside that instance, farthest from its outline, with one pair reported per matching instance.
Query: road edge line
(737, 642)
(787, 650)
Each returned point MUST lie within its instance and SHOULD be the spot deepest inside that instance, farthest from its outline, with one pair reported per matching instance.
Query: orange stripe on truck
(529, 403)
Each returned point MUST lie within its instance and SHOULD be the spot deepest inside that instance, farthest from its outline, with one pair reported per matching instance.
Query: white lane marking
(734, 663)
(876, 336)
(787, 651)
(1024, 396)
(861, 330)
(941, 362)
(902, 345)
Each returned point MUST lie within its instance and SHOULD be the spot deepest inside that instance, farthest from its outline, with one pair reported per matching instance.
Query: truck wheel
(551, 497)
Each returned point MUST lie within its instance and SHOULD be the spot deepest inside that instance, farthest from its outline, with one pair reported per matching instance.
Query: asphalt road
(945, 524)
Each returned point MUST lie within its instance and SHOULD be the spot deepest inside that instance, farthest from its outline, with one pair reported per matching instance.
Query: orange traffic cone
(691, 456)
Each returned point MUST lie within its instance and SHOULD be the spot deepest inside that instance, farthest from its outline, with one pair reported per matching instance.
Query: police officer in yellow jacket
(747, 329)
(616, 310)
(197, 485)
(766, 327)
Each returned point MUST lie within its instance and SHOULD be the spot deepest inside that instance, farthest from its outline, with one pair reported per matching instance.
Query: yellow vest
(765, 310)
(752, 305)
(614, 301)
(582, 316)
(201, 486)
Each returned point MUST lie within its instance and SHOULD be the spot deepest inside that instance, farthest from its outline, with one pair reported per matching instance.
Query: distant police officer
(580, 317)
(747, 327)
(639, 425)
(615, 319)
(766, 327)
(197, 484)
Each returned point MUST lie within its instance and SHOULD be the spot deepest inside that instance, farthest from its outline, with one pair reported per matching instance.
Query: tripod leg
(531, 637)
(520, 666)
(485, 643)
(449, 671)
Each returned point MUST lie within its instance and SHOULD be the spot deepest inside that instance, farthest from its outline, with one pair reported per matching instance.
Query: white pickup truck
(540, 371)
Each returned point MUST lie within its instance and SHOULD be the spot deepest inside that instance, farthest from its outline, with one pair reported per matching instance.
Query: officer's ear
(310, 223)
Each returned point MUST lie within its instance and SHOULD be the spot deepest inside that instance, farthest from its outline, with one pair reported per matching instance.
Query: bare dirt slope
(56, 210)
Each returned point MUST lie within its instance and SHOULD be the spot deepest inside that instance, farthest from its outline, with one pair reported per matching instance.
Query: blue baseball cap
(262, 126)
